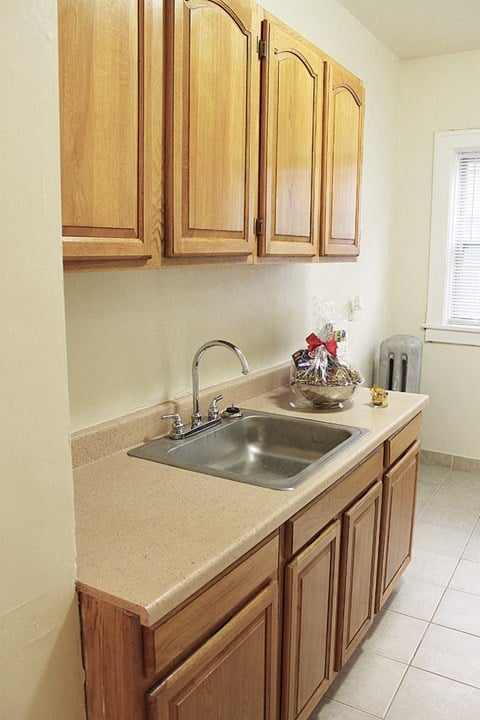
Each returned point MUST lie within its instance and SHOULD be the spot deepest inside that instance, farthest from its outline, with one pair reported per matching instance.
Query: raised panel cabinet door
(106, 61)
(358, 573)
(311, 581)
(343, 161)
(233, 675)
(398, 517)
(211, 149)
(292, 79)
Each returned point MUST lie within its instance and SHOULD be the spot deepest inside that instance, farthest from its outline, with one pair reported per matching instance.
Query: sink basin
(273, 451)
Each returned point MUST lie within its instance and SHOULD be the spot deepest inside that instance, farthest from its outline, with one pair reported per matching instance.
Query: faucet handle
(213, 412)
(178, 428)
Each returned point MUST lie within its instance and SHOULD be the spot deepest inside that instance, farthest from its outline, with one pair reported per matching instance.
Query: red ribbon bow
(314, 342)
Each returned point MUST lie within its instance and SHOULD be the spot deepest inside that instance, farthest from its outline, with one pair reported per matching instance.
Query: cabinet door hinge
(258, 226)
(261, 48)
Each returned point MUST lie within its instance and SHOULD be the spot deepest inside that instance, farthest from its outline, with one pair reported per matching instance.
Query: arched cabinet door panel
(343, 162)
(211, 123)
(291, 143)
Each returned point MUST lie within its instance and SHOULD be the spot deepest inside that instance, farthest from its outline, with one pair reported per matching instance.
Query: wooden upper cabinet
(343, 166)
(211, 139)
(196, 124)
(292, 79)
(105, 66)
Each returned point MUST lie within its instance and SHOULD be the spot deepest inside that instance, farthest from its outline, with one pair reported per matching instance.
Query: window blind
(463, 305)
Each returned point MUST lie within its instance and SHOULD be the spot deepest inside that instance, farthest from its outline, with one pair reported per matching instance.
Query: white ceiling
(420, 28)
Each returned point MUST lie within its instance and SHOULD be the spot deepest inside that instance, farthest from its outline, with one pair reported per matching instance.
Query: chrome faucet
(196, 416)
(179, 431)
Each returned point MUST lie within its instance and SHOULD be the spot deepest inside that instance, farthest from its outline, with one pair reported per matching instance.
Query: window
(453, 312)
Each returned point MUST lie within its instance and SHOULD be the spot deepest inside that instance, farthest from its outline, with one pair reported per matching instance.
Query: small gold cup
(379, 396)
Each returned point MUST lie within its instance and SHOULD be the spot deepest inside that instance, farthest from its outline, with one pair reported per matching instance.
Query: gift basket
(318, 376)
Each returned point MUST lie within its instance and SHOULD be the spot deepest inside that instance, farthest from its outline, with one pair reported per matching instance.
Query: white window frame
(447, 145)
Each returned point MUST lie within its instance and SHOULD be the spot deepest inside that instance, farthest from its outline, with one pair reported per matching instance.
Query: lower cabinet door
(233, 676)
(358, 573)
(311, 581)
(398, 517)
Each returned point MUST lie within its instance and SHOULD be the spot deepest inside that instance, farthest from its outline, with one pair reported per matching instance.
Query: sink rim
(167, 445)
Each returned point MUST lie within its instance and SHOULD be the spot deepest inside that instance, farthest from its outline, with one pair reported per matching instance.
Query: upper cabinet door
(106, 144)
(345, 109)
(291, 143)
(211, 148)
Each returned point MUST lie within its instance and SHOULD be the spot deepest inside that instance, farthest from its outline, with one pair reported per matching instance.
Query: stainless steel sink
(273, 451)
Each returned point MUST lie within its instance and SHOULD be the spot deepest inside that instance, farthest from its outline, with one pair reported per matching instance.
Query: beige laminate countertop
(149, 535)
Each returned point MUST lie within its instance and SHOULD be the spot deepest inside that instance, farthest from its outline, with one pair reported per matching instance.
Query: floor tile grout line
(428, 626)
(472, 532)
(465, 592)
(430, 499)
(431, 622)
(477, 562)
(456, 525)
(410, 662)
(396, 691)
(400, 662)
(441, 484)
(428, 623)
(403, 662)
(446, 677)
(354, 707)
(414, 617)
(468, 541)
(456, 629)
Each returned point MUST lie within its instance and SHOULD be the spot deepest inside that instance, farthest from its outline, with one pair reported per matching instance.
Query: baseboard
(452, 462)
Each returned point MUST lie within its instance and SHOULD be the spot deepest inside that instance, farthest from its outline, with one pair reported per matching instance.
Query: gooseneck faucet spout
(196, 417)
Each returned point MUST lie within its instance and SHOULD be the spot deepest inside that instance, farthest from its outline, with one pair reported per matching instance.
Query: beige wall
(40, 674)
(439, 93)
(131, 335)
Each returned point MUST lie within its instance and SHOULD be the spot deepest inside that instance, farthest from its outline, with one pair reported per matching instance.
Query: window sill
(452, 334)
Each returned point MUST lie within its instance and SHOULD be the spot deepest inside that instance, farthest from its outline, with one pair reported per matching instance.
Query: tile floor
(421, 658)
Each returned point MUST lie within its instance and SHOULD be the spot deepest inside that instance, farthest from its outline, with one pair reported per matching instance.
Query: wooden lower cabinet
(311, 583)
(218, 656)
(398, 517)
(330, 586)
(233, 675)
(361, 526)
